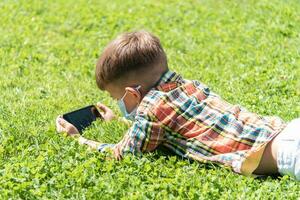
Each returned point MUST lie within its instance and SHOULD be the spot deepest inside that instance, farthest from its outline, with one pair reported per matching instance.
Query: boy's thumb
(61, 121)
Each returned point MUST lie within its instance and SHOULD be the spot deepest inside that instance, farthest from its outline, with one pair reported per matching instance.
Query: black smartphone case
(83, 117)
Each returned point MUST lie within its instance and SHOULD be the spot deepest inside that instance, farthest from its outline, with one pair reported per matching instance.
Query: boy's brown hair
(127, 53)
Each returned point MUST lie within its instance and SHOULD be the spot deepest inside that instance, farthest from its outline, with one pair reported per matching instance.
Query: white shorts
(288, 154)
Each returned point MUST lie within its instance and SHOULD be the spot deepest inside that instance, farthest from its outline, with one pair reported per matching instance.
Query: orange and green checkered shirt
(187, 118)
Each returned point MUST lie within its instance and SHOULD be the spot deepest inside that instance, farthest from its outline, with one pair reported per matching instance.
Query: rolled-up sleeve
(144, 135)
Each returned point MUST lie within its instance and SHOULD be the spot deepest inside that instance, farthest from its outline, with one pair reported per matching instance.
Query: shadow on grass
(162, 151)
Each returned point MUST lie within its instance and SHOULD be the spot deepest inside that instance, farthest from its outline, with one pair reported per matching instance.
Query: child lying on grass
(185, 116)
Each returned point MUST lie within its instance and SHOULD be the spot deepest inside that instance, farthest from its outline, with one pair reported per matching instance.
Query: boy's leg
(288, 153)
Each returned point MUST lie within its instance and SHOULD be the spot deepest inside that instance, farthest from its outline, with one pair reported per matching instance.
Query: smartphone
(83, 117)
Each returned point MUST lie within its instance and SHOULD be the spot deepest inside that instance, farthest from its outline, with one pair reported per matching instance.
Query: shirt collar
(167, 77)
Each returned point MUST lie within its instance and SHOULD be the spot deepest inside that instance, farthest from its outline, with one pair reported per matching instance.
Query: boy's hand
(107, 113)
(63, 126)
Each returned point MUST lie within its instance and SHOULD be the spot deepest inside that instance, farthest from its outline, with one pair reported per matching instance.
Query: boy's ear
(134, 93)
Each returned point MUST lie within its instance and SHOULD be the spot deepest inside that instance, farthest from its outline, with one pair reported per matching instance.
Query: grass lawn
(246, 51)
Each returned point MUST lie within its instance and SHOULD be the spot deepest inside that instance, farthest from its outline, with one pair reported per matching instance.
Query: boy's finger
(62, 122)
(60, 129)
(117, 153)
(101, 106)
(57, 121)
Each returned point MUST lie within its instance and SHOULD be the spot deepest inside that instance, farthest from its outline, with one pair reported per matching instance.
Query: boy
(185, 116)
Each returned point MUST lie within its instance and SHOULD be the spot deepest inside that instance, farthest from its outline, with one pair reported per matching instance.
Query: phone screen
(83, 117)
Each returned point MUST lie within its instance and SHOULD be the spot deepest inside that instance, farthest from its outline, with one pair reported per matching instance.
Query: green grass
(246, 51)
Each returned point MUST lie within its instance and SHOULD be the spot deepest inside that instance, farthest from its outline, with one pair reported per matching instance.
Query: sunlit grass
(246, 51)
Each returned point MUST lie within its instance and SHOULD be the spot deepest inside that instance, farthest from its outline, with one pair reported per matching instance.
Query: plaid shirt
(187, 118)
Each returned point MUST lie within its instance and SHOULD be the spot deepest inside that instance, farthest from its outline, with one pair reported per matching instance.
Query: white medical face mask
(122, 106)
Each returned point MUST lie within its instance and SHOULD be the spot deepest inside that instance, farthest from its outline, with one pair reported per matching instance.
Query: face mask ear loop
(122, 98)
(137, 89)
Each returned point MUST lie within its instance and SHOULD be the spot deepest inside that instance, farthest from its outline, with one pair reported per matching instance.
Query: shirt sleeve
(144, 135)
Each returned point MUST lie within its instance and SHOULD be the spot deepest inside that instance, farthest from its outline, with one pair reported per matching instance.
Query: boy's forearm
(92, 144)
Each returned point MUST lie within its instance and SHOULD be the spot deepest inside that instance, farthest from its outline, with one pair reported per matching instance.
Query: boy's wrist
(75, 136)
(81, 140)
(124, 120)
